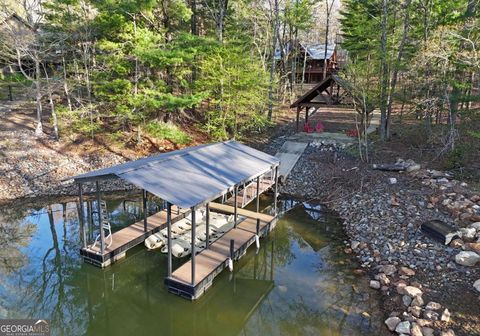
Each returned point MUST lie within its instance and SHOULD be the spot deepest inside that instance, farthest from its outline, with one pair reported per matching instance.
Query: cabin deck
(210, 262)
(129, 237)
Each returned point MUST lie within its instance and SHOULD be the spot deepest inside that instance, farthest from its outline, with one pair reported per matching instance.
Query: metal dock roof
(193, 175)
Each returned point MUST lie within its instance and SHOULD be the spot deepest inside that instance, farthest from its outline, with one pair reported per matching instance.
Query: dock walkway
(210, 262)
(288, 156)
(129, 237)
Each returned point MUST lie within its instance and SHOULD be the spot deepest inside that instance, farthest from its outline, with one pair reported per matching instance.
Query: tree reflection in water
(299, 282)
(15, 233)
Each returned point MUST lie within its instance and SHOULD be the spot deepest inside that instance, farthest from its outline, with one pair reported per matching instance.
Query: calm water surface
(298, 283)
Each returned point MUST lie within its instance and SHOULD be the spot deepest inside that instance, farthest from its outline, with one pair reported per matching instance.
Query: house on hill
(310, 59)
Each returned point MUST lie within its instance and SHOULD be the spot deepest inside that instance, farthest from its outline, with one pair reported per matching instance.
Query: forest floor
(381, 219)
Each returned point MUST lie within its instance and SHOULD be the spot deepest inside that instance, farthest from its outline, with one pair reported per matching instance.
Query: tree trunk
(272, 67)
(135, 88)
(384, 73)
(327, 28)
(193, 23)
(65, 85)
(52, 105)
(38, 97)
(396, 66)
(304, 66)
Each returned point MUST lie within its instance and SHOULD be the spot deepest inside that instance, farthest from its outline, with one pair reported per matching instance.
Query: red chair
(307, 128)
(352, 133)
(319, 127)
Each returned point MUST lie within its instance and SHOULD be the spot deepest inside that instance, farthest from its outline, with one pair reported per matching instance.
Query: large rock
(392, 180)
(417, 301)
(374, 284)
(413, 167)
(406, 271)
(475, 247)
(468, 233)
(384, 280)
(416, 330)
(448, 332)
(403, 328)
(415, 311)
(476, 285)
(426, 331)
(467, 258)
(388, 269)
(407, 300)
(445, 316)
(392, 322)
(433, 306)
(411, 291)
(430, 315)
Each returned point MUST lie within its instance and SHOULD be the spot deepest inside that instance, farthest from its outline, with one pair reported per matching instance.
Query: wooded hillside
(105, 66)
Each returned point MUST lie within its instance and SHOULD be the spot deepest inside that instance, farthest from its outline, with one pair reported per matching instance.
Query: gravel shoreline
(425, 290)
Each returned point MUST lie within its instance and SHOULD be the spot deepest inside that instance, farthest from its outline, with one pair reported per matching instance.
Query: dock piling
(169, 237)
(232, 248)
(81, 217)
(144, 200)
(193, 245)
(235, 206)
(100, 223)
(276, 191)
(207, 220)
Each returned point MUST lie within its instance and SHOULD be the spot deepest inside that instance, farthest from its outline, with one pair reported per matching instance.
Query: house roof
(315, 51)
(193, 175)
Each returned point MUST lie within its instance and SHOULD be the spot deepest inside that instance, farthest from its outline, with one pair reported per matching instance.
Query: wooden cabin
(315, 61)
(310, 60)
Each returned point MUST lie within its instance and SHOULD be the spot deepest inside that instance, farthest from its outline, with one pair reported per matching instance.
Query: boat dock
(190, 182)
(129, 237)
(210, 262)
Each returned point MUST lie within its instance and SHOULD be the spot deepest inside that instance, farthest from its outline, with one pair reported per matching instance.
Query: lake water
(299, 282)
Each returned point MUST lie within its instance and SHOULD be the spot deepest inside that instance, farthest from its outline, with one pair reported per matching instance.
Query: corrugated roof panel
(136, 163)
(317, 51)
(189, 177)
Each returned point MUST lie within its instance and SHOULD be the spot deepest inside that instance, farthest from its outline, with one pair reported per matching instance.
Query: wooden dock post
(90, 221)
(193, 244)
(100, 223)
(207, 220)
(144, 200)
(235, 206)
(276, 191)
(232, 248)
(81, 217)
(258, 202)
(169, 238)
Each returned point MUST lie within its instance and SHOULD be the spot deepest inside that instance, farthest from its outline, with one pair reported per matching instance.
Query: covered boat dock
(212, 177)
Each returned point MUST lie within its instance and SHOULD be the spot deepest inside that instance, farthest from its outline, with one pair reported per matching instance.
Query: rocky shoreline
(419, 278)
(429, 288)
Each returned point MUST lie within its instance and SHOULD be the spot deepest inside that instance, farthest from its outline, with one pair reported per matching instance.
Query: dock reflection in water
(299, 283)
